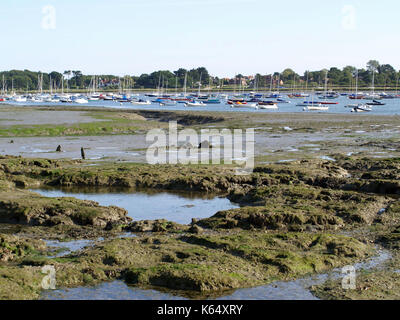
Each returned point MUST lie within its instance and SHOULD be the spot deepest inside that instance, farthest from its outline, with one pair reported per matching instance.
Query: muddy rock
(14, 247)
(196, 229)
(155, 226)
(27, 208)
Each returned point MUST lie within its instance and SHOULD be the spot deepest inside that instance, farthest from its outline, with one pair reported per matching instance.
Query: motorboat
(317, 108)
(124, 99)
(298, 95)
(140, 102)
(239, 104)
(273, 96)
(282, 101)
(65, 99)
(81, 100)
(362, 108)
(375, 103)
(212, 101)
(330, 96)
(372, 97)
(195, 104)
(328, 102)
(165, 102)
(20, 99)
(268, 106)
(356, 96)
(94, 97)
(309, 104)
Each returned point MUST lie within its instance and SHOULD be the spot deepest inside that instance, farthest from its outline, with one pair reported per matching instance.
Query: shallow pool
(144, 205)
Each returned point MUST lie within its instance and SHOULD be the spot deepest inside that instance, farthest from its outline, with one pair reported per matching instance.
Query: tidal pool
(146, 205)
(63, 248)
(280, 290)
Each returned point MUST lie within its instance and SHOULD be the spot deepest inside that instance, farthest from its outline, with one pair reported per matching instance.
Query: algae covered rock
(188, 277)
(23, 207)
(13, 247)
(219, 262)
(161, 225)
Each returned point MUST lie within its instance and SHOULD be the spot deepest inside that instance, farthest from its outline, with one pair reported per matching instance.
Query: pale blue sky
(225, 36)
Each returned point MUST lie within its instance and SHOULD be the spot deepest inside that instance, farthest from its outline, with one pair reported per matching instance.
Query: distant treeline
(384, 75)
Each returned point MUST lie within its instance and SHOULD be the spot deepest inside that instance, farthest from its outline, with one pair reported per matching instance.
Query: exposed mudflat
(324, 194)
(10, 116)
(279, 137)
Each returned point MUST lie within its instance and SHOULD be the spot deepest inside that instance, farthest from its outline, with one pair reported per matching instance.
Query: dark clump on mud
(185, 119)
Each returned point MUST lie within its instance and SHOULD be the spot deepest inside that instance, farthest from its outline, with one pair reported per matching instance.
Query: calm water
(392, 106)
(180, 208)
(281, 290)
(62, 249)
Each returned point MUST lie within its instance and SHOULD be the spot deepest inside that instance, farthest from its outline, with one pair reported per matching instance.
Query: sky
(225, 36)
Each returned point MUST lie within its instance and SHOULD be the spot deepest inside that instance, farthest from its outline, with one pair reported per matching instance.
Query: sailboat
(3, 91)
(313, 106)
(357, 107)
(326, 96)
(93, 96)
(372, 96)
(356, 96)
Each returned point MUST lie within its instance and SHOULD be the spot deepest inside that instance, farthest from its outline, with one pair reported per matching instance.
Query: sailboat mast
(294, 83)
(356, 83)
(306, 81)
(373, 82)
(270, 84)
(185, 83)
(200, 84)
(326, 85)
(278, 83)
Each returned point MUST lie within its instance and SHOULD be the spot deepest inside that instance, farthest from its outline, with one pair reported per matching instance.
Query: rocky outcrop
(31, 209)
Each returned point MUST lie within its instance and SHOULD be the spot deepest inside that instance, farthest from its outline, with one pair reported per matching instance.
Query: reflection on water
(150, 205)
(282, 290)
